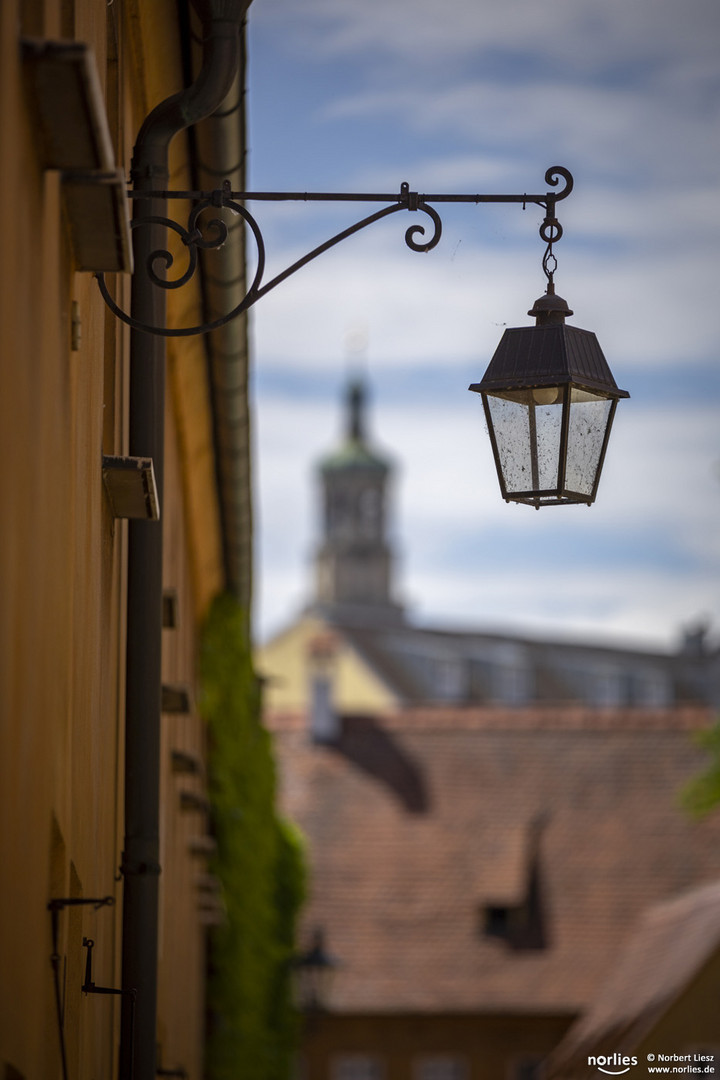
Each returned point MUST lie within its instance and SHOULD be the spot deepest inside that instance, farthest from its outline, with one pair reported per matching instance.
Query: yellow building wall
(181, 949)
(286, 665)
(685, 1025)
(691, 1023)
(63, 580)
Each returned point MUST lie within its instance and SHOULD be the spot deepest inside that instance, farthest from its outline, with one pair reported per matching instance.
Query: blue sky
(469, 96)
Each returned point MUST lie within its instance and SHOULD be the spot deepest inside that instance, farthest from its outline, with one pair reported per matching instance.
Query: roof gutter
(140, 861)
(220, 154)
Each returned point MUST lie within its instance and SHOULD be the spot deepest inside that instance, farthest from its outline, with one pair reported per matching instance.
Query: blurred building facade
(488, 816)
(77, 80)
(660, 1000)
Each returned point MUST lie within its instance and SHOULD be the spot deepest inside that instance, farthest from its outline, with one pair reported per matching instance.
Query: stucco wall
(63, 578)
(286, 663)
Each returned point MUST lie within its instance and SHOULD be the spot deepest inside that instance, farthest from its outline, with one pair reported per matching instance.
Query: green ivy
(253, 1027)
(702, 794)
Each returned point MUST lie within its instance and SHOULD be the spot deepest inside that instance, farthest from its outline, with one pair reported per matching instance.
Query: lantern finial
(549, 309)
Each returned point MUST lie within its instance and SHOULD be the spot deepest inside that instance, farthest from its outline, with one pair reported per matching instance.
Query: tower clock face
(336, 513)
(369, 511)
(359, 514)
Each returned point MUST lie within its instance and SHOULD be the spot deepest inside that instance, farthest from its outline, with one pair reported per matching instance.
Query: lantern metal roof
(550, 355)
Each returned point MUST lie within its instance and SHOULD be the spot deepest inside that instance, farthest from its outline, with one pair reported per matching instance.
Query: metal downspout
(140, 865)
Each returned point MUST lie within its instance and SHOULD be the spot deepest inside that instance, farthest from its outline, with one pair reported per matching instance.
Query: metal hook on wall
(55, 906)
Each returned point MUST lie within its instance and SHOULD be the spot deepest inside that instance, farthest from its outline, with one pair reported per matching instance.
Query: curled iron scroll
(194, 238)
(419, 230)
(551, 230)
(191, 237)
(552, 178)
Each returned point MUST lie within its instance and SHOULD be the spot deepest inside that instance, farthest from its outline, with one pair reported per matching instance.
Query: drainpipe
(140, 862)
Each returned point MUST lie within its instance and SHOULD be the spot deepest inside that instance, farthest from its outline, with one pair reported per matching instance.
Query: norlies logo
(614, 1064)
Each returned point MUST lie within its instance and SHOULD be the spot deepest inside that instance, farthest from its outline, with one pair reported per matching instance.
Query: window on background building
(440, 1067)
(512, 684)
(525, 1068)
(356, 1067)
(450, 680)
(605, 687)
(520, 925)
(300, 1068)
(511, 681)
(652, 689)
(498, 920)
(598, 684)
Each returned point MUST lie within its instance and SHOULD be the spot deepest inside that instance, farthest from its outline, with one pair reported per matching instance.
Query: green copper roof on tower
(354, 452)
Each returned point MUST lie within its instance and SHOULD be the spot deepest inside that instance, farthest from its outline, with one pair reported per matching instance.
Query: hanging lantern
(315, 969)
(549, 399)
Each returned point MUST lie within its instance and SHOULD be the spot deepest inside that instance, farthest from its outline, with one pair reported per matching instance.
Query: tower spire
(354, 560)
(356, 411)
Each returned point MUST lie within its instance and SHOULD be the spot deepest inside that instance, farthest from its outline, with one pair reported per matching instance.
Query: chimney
(324, 723)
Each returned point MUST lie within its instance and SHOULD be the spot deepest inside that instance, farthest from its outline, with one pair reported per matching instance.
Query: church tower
(354, 562)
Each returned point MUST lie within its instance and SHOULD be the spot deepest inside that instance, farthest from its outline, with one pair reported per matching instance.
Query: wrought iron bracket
(78, 901)
(203, 234)
(56, 905)
(88, 986)
(130, 995)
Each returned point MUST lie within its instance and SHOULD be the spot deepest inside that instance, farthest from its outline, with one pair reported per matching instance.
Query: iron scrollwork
(201, 235)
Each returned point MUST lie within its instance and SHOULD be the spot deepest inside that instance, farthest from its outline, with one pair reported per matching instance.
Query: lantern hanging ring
(550, 231)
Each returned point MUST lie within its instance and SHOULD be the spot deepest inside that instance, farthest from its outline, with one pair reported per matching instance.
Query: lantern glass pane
(589, 415)
(527, 434)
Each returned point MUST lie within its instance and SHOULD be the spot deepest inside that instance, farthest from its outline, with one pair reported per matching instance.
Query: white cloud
(639, 607)
(448, 307)
(611, 129)
(566, 32)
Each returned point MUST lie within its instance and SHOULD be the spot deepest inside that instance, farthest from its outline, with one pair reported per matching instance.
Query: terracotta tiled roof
(672, 942)
(419, 820)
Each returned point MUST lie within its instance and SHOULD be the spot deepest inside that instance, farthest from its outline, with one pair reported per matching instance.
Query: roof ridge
(521, 718)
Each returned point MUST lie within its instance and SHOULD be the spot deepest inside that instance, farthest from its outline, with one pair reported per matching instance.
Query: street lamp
(315, 969)
(548, 393)
(549, 399)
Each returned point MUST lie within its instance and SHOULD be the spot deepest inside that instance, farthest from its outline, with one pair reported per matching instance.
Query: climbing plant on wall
(253, 1026)
(702, 793)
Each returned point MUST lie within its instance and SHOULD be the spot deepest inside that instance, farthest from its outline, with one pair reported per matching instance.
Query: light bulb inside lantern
(545, 395)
